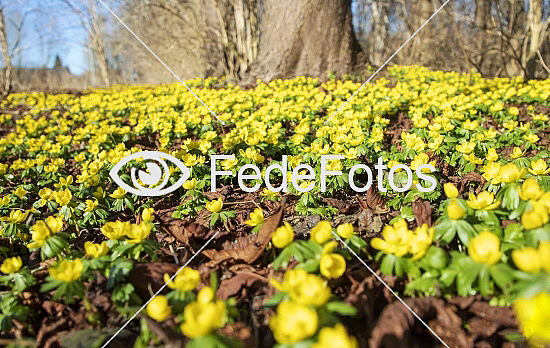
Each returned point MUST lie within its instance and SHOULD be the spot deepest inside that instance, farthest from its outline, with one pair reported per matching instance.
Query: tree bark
(305, 38)
(7, 59)
(536, 29)
(379, 32)
(98, 45)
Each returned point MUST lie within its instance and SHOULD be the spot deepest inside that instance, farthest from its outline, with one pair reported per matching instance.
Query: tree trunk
(534, 19)
(305, 37)
(379, 31)
(7, 59)
(98, 45)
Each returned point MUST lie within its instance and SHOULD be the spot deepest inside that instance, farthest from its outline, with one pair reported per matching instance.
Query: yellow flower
(332, 265)
(215, 205)
(485, 248)
(303, 288)
(147, 214)
(492, 155)
(190, 184)
(11, 265)
(201, 318)
(43, 229)
(321, 233)
(544, 255)
(5, 200)
(282, 236)
(455, 211)
(20, 192)
(187, 279)
(64, 182)
(96, 250)
(116, 229)
(137, 233)
(516, 153)
(91, 205)
(63, 197)
(535, 217)
(99, 193)
(256, 217)
(293, 322)
(450, 190)
(527, 260)
(159, 308)
(119, 193)
(335, 337)
(395, 239)
(67, 271)
(539, 167)
(533, 317)
(345, 230)
(421, 240)
(16, 216)
(483, 201)
(510, 173)
(530, 189)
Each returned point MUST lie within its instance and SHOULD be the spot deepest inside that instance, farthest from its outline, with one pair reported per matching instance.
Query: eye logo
(156, 166)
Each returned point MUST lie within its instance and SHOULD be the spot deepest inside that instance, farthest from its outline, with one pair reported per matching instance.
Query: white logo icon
(156, 166)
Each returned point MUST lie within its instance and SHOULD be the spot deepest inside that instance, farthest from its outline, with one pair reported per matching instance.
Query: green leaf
(341, 308)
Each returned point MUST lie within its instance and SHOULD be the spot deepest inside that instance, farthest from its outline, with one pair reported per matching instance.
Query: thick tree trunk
(379, 32)
(7, 59)
(305, 37)
(98, 45)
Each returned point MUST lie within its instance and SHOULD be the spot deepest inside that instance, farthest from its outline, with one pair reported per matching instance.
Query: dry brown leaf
(232, 286)
(150, 276)
(471, 177)
(375, 201)
(422, 211)
(252, 251)
(184, 230)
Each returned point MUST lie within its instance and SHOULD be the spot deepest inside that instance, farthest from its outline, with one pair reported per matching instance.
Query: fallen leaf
(233, 286)
(251, 251)
(375, 201)
(147, 277)
(184, 230)
(422, 211)
(469, 178)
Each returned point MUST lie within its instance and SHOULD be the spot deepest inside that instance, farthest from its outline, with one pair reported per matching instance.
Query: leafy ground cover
(80, 255)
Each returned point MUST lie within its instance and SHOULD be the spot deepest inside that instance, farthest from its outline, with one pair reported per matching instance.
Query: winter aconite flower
(535, 217)
(282, 236)
(336, 336)
(256, 218)
(332, 265)
(187, 279)
(137, 233)
(204, 315)
(483, 201)
(510, 173)
(293, 322)
(485, 248)
(533, 317)
(159, 308)
(118, 193)
(539, 167)
(96, 250)
(322, 232)
(215, 205)
(450, 190)
(303, 288)
(455, 211)
(43, 229)
(11, 265)
(116, 229)
(527, 260)
(530, 189)
(345, 230)
(190, 184)
(147, 214)
(67, 271)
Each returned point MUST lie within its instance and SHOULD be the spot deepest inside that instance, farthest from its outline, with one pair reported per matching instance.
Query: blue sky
(48, 29)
